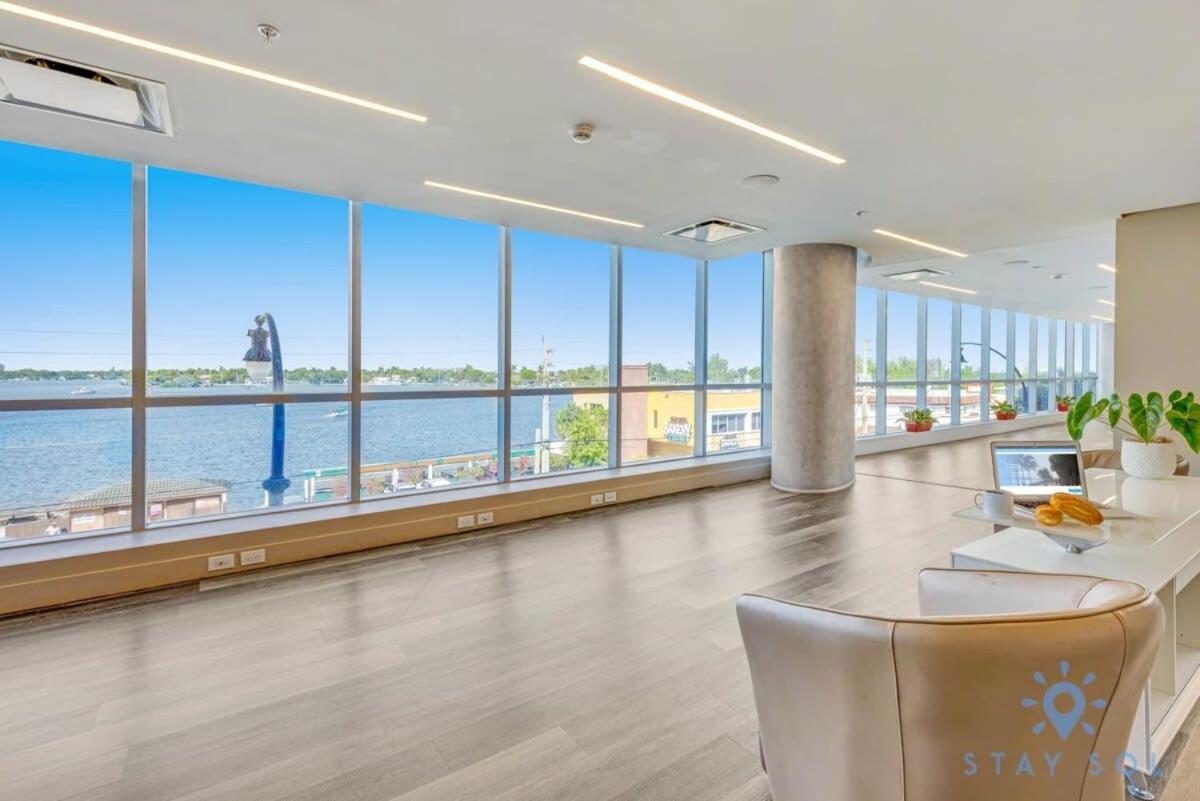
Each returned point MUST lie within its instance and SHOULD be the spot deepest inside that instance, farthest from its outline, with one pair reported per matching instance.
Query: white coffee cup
(995, 503)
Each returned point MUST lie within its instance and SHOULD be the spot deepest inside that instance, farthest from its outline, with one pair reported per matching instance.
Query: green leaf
(1174, 396)
(1187, 424)
(1082, 413)
(1114, 410)
(1145, 417)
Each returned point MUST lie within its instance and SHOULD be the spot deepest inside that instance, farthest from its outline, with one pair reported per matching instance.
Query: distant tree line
(719, 371)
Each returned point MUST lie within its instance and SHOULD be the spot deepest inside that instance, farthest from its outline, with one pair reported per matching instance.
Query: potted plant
(1144, 452)
(1004, 410)
(1063, 402)
(918, 420)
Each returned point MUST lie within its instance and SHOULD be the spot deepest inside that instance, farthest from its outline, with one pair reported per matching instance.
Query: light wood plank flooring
(590, 657)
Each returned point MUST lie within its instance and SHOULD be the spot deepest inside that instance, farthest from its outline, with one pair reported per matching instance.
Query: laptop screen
(1031, 470)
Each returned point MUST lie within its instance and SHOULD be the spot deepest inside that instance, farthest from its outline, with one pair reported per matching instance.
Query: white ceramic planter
(1148, 460)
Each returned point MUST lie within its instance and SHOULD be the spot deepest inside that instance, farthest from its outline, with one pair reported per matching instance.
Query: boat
(83, 391)
(338, 413)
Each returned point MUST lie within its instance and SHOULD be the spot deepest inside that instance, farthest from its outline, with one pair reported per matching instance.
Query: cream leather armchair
(1010, 686)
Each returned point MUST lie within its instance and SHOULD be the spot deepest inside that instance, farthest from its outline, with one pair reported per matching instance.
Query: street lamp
(261, 361)
(1024, 389)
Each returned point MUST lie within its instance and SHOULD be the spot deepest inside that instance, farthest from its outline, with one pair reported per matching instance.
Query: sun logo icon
(1064, 721)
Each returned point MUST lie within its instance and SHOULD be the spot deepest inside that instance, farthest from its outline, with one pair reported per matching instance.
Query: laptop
(1033, 471)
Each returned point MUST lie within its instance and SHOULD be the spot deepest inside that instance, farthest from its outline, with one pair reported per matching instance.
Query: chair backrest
(1031, 704)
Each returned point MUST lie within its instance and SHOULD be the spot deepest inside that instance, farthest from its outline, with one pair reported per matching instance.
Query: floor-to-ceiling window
(65, 351)
(956, 358)
(866, 362)
(939, 359)
(180, 346)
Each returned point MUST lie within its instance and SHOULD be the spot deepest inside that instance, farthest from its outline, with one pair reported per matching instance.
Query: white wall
(1158, 303)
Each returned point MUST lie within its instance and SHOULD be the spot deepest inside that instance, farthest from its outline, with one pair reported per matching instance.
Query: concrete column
(812, 381)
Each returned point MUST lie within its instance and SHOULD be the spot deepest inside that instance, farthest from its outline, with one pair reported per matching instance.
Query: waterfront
(48, 456)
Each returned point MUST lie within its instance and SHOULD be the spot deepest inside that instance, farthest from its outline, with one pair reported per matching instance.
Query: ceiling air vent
(715, 230)
(38, 81)
(916, 275)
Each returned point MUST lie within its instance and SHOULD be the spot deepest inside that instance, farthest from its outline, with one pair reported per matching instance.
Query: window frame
(139, 400)
(1004, 340)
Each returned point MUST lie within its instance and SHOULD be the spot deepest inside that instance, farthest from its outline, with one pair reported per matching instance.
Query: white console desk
(1159, 550)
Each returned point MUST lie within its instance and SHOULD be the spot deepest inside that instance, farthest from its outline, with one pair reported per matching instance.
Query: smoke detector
(761, 181)
(714, 230)
(46, 83)
(582, 133)
(268, 32)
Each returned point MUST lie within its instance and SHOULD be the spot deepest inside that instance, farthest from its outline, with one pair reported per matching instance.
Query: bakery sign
(678, 429)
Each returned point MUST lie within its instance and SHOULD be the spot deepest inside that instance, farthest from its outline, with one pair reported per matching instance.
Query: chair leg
(1137, 785)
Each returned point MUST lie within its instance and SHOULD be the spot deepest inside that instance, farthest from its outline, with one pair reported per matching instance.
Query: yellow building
(659, 424)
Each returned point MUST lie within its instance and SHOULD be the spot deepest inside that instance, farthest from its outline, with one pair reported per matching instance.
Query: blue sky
(220, 252)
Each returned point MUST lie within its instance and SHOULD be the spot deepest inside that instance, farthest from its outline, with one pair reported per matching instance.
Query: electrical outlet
(255, 557)
(597, 500)
(483, 518)
(222, 562)
(610, 497)
(466, 521)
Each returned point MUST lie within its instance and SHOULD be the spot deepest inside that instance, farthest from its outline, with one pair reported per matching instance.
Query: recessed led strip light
(920, 243)
(947, 286)
(1101, 317)
(1108, 267)
(1106, 302)
(697, 105)
(530, 203)
(187, 55)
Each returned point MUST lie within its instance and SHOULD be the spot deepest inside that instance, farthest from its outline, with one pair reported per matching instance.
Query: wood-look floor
(588, 657)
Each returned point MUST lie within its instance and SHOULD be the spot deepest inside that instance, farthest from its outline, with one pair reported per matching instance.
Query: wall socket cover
(597, 500)
(484, 518)
(610, 497)
(222, 562)
(254, 557)
(466, 521)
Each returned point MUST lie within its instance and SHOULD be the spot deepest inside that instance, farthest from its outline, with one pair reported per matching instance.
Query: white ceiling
(965, 124)
(1030, 287)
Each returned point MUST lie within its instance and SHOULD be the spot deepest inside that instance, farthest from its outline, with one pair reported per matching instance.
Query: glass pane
(420, 444)
(65, 329)
(998, 350)
(939, 319)
(735, 320)
(560, 305)
(864, 409)
(659, 317)
(221, 253)
(559, 433)
(1060, 358)
(1021, 393)
(901, 336)
(734, 420)
(970, 405)
(209, 460)
(1045, 397)
(1094, 362)
(972, 331)
(430, 301)
(1079, 348)
(937, 400)
(1044, 365)
(1060, 343)
(64, 471)
(999, 393)
(1021, 349)
(864, 334)
(901, 398)
(657, 425)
